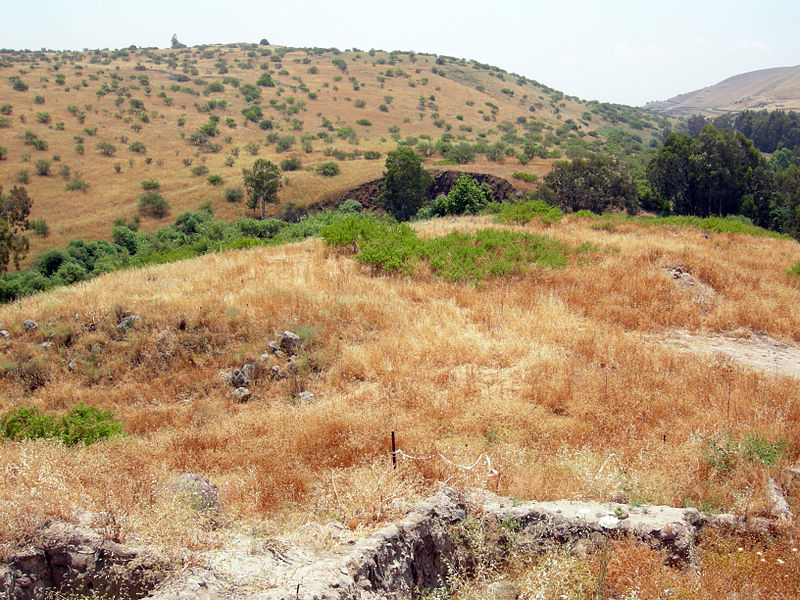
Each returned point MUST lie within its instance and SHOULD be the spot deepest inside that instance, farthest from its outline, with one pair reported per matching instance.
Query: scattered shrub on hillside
(6, 109)
(3, 152)
(106, 148)
(328, 169)
(22, 176)
(153, 204)
(291, 164)
(364, 122)
(40, 227)
(76, 184)
(529, 177)
(150, 184)
(42, 167)
(199, 170)
(234, 194)
(215, 180)
(137, 147)
(372, 155)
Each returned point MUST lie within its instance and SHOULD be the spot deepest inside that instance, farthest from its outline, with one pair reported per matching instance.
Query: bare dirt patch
(702, 293)
(754, 350)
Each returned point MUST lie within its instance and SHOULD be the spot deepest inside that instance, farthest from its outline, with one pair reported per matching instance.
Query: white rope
(491, 471)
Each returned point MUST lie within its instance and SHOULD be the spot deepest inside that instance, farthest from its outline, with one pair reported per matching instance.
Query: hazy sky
(622, 51)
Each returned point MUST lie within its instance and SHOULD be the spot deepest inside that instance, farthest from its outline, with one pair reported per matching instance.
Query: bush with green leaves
(328, 169)
(42, 167)
(3, 152)
(83, 424)
(284, 142)
(529, 177)
(152, 203)
(199, 170)
(234, 194)
(467, 196)
(520, 213)
(40, 227)
(76, 184)
(150, 184)
(215, 180)
(291, 164)
(137, 147)
(106, 148)
(405, 184)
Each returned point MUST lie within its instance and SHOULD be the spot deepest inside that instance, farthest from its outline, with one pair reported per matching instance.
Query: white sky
(623, 51)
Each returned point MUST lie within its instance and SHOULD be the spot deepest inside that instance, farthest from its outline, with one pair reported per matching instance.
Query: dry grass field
(560, 376)
(159, 98)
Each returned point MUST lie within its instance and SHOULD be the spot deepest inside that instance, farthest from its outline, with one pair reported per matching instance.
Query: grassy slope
(112, 195)
(769, 89)
(553, 374)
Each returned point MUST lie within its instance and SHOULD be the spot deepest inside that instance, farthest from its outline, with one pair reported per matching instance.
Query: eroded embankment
(422, 551)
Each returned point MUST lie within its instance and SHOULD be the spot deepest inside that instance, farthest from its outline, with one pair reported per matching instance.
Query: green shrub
(795, 270)
(234, 194)
(529, 177)
(328, 169)
(284, 142)
(199, 170)
(27, 423)
(465, 197)
(42, 167)
(350, 207)
(215, 180)
(372, 155)
(137, 147)
(291, 164)
(3, 152)
(22, 176)
(150, 184)
(364, 122)
(106, 148)
(6, 109)
(76, 184)
(40, 227)
(152, 203)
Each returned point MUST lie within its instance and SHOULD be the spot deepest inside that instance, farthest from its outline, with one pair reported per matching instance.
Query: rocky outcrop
(76, 560)
(367, 193)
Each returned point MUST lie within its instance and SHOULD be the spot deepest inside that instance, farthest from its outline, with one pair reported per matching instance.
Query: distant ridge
(770, 89)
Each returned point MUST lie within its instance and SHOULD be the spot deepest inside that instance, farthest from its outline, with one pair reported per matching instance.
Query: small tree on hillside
(175, 44)
(262, 184)
(405, 184)
(14, 211)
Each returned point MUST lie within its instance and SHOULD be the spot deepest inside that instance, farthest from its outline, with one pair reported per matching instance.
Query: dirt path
(757, 351)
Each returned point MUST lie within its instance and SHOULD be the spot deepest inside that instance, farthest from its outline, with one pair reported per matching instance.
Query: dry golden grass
(556, 375)
(112, 195)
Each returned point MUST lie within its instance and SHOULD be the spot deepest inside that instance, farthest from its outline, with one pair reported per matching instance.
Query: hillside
(104, 121)
(767, 89)
(601, 376)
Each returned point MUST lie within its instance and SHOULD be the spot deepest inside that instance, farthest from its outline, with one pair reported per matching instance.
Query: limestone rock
(29, 325)
(241, 394)
(290, 341)
(128, 323)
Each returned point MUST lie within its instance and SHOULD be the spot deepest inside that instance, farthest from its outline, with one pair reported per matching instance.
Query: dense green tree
(15, 207)
(597, 183)
(262, 183)
(405, 184)
(719, 172)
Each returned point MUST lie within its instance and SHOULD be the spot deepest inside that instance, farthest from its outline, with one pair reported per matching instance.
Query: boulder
(241, 394)
(29, 325)
(127, 323)
(290, 341)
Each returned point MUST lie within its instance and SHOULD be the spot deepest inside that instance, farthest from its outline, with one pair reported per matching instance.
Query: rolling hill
(103, 121)
(769, 89)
